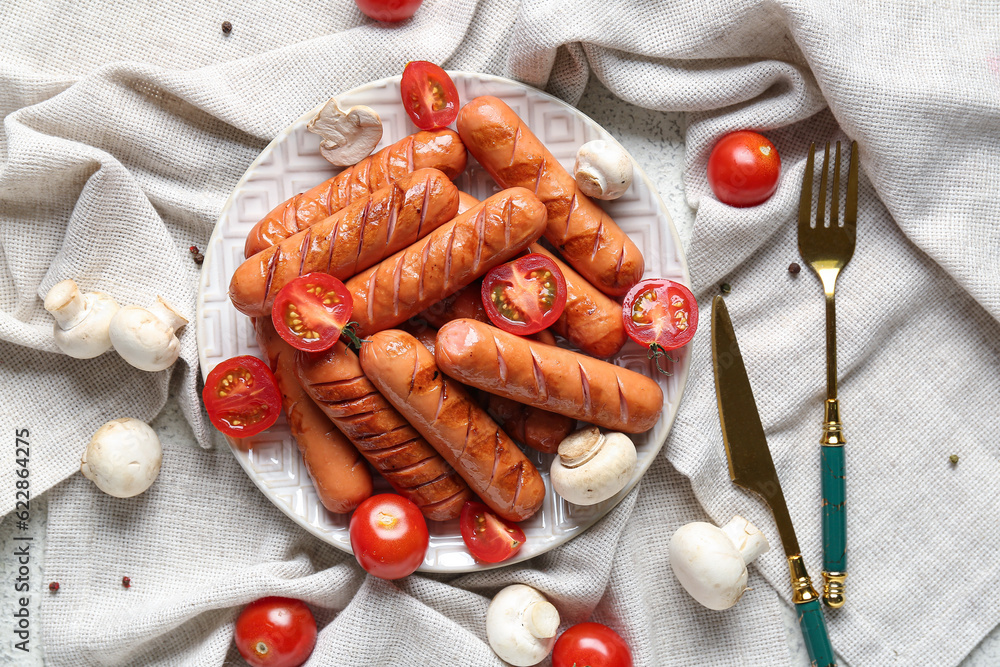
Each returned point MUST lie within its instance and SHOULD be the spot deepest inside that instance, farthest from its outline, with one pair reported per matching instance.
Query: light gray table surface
(656, 141)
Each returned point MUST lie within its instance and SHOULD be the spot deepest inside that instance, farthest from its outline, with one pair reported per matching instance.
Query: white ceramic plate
(292, 164)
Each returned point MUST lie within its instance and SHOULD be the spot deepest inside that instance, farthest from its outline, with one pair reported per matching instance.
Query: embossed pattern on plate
(291, 164)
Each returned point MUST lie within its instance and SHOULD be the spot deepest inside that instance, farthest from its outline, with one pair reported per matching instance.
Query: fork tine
(835, 195)
(821, 205)
(851, 204)
(806, 199)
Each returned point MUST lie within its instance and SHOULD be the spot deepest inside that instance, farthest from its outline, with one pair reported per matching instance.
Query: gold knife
(751, 466)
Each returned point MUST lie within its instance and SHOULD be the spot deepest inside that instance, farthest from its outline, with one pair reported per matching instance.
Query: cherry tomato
(242, 397)
(660, 312)
(593, 645)
(275, 632)
(526, 295)
(429, 95)
(389, 10)
(743, 169)
(389, 536)
(488, 537)
(311, 311)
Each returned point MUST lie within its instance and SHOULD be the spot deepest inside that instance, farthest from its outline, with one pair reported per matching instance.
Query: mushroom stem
(67, 305)
(541, 618)
(167, 314)
(749, 541)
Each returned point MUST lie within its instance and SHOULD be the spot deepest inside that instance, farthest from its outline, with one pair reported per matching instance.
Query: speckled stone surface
(656, 141)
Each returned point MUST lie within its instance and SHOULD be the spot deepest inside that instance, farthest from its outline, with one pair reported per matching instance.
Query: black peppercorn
(725, 288)
(227, 27)
(794, 268)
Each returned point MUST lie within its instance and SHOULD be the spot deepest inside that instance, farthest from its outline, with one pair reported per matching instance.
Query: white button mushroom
(123, 458)
(592, 466)
(82, 320)
(521, 625)
(711, 563)
(603, 170)
(348, 136)
(145, 337)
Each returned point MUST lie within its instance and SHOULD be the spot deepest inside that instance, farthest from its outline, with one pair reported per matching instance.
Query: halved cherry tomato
(275, 632)
(242, 397)
(488, 537)
(389, 10)
(429, 95)
(389, 536)
(660, 312)
(526, 295)
(311, 311)
(743, 169)
(591, 644)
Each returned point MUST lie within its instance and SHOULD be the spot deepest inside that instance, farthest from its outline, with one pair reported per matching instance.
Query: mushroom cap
(348, 136)
(515, 619)
(603, 170)
(88, 337)
(708, 565)
(143, 339)
(592, 467)
(123, 457)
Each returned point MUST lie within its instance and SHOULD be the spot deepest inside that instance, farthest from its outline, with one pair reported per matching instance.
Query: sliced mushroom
(145, 337)
(603, 170)
(348, 136)
(123, 458)
(711, 563)
(592, 466)
(82, 320)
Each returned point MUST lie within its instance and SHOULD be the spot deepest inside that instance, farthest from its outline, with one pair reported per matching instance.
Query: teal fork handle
(814, 633)
(834, 508)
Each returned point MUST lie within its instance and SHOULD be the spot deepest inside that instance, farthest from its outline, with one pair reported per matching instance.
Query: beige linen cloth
(127, 124)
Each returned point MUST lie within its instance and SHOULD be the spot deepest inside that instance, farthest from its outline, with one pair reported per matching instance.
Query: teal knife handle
(834, 508)
(814, 633)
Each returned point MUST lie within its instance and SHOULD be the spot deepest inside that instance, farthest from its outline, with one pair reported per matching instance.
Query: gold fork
(828, 249)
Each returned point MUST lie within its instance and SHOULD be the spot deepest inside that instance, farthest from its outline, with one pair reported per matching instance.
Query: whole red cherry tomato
(488, 537)
(526, 295)
(311, 311)
(593, 645)
(743, 169)
(389, 10)
(275, 632)
(429, 95)
(241, 396)
(389, 536)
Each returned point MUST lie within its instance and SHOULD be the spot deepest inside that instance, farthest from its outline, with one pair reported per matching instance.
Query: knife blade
(751, 467)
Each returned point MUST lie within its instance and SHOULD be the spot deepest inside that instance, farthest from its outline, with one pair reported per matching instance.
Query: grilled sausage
(591, 321)
(466, 302)
(440, 149)
(548, 377)
(453, 423)
(537, 428)
(466, 201)
(339, 474)
(334, 379)
(446, 260)
(352, 240)
(585, 235)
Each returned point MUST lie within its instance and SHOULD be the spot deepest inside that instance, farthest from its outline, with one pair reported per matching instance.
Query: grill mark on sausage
(497, 451)
(573, 205)
(424, 258)
(409, 153)
(361, 232)
(621, 260)
(370, 296)
(520, 483)
(468, 426)
(413, 466)
(303, 251)
(390, 226)
(356, 417)
(622, 403)
(331, 240)
(508, 209)
(397, 277)
(413, 376)
(391, 450)
(538, 175)
(439, 478)
(540, 389)
(385, 164)
(424, 205)
(447, 257)
(364, 437)
(336, 383)
(501, 362)
(585, 386)
(513, 146)
(480, 233)
(442, 395)
(272, 266)
(439, 503)
(597, 239)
